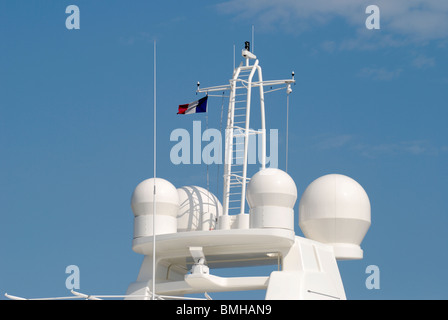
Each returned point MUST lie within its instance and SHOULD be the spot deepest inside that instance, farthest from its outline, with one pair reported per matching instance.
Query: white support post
(246, 137)
(263, 122)
(228, 143)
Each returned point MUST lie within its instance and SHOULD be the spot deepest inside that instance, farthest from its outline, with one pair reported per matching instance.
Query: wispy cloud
(333, 141)
(380, 74)
(416, 20)
(130, 40)
(412, 147)
(423, 62)
(352, 143)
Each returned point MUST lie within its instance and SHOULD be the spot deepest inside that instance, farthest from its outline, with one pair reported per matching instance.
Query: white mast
(238, 129)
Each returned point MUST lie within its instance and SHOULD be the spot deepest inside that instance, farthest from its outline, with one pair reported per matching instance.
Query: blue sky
(76, 127)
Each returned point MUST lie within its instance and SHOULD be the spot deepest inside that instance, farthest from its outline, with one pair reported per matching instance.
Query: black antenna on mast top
(247, 45)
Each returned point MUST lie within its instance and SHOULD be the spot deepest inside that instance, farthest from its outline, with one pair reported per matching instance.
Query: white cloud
(413, 147)
(417, 147)
(381, 74)
(420, 147)
(416, 20)
(423, 62)
(333, 141)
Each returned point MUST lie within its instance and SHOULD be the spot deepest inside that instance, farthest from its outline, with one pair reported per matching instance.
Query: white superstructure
(195, 233)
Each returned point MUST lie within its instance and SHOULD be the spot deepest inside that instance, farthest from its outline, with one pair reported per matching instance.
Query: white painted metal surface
(335, 209)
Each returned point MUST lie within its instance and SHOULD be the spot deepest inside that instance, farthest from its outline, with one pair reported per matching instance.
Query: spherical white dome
(335, 209)
(271, 194)
(167, 199)
(166, 205)
(198, 209)
(271, 187)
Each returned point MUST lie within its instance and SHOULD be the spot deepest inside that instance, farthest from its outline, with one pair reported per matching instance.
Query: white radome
(167, 207)
(271, 194)
(335, 209)
(198, 209)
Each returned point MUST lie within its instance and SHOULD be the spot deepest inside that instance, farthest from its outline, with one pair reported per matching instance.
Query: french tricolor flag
(194, 107)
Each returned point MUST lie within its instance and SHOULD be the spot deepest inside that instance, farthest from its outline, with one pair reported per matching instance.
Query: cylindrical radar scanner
(271, 194)
(166, 207)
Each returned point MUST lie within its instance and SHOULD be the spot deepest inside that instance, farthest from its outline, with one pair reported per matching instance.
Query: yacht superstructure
(195, 233)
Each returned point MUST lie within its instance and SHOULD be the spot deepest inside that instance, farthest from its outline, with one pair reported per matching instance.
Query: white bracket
(198, 256)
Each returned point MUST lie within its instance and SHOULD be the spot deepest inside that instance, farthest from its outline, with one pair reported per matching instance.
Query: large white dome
(198, 209)
(335, 209)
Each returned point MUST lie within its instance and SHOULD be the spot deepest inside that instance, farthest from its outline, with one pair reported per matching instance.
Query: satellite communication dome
(271, 194)
(166, 205)
(198, 209)
(335, 209)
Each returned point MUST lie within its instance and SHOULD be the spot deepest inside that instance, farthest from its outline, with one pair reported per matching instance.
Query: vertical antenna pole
(208, 159)
(287, 130)
(263, 121)
(234, 57)
(154, 202)
(253, 43)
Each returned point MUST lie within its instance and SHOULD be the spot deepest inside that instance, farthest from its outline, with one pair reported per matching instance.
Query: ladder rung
(251, 132)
